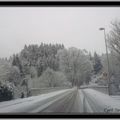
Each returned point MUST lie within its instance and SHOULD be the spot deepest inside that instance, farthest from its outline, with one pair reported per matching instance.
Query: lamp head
(101, 28)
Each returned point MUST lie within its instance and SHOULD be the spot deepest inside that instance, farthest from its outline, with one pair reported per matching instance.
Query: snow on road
(26, 104)
(85, 105)
(88, 100)
(101, 102)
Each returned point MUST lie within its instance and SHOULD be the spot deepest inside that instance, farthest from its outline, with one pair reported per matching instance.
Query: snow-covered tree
(40, 57)
(6, 92)
(9, 78)
(9, 73)
(75, 64)
(48, 78)
(51, 78)
(113, 37)
(16, 62)
(97, 63)
(61, 79)
(90, 56)
(15, 76)
(33, 72)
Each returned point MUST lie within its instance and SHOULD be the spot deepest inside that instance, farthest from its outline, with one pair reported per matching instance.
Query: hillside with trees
(53, 65)
(46, 65)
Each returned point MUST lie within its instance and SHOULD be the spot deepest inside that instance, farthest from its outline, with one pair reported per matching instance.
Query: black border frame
(59, 4)
(60, 116)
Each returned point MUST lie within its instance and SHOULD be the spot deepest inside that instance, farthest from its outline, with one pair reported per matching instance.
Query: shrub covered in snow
(6, 92)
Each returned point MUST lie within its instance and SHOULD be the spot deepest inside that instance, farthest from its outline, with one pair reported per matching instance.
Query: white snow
(26, 104)
(92, 85)
(83, 103)
(103, 102)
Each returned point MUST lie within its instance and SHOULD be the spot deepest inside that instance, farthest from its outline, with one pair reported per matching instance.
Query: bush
(51, 78)
(6, 93)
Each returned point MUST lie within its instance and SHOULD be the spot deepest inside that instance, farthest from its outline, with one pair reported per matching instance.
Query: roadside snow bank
(101, 102)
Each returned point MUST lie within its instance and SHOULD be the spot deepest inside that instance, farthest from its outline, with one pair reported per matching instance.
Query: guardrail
(37, 91)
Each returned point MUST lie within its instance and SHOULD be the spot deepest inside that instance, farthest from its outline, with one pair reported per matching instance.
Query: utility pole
(107, 60)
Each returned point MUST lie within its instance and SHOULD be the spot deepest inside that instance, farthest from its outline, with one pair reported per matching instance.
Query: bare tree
(114, 37)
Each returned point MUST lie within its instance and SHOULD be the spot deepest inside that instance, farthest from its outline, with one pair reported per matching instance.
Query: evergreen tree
(90, 56)
(40, 57)
(97, 65)
(16, 62)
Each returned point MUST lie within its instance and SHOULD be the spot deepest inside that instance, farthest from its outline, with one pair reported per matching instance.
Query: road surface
(64, 101)
(59, 101)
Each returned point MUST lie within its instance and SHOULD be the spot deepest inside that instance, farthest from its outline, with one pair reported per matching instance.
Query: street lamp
(107, 60)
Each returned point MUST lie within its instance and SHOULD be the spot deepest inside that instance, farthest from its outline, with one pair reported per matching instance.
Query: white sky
(72, 26)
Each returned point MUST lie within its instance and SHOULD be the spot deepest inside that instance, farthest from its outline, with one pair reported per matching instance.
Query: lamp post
(107, 60)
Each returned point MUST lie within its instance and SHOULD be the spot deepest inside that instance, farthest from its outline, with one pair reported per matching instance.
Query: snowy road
(69, 100)
(60, 101)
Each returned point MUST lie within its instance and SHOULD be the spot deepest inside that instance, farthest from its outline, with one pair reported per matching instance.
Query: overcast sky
(72, 26)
